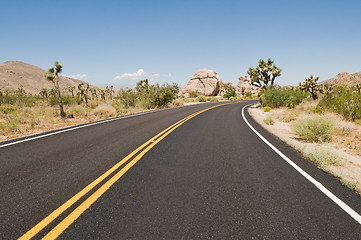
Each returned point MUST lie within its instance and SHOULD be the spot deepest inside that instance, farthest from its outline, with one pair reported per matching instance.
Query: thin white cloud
(79, 76)
(140, 74)
(134, 76)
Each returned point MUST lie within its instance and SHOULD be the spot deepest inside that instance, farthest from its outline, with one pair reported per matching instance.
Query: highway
(192, 172)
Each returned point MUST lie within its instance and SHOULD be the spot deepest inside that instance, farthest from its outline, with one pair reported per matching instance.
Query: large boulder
(206, 82)
(244, 85)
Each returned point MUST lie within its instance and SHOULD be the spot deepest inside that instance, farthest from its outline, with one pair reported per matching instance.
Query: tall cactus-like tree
(94, 94)
(83, 90)
(264, 74)
(310, 85)
(44, 93)
(71, 90)
(53, 75)
(358, 86)
(326, 88)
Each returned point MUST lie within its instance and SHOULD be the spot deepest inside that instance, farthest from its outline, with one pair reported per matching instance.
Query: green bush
(344, 101)
(201, 98)
(269, 120)
(282, 97)
(163, 96)
(266, 109)
(214, 99)
(193, 94)
(8, 108)
(315, 128)
(230, 94)
(128, 97)
(232, 98)
(248, 94)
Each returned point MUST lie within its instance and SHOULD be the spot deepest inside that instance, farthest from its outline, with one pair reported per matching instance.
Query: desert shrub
(248, 94)
(9, 126)
(324, 156)
(357, 121)
(230, 94)
(69, 100)
(8, 108)
(266, 109)
(77, 111)
(314, 128)
(193, 94)
(214, 99)
(104, 111)
(128, 97)
(162, 96)
(28, 101)
(232, 98)
(343, 101)
(8, 97)
(93, 104)
(278, 97)
(178, 102)
(269, 120)
(201, 98)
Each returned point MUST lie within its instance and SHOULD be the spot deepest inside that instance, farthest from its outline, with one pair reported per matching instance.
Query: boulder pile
(205, 82)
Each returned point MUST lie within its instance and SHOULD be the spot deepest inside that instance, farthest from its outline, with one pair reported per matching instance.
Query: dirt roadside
(341, 157)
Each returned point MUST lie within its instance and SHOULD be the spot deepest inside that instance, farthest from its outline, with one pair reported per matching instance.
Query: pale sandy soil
(345, 147)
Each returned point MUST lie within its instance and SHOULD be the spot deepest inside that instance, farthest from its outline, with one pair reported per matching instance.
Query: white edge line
(323, 189)
(87, 125)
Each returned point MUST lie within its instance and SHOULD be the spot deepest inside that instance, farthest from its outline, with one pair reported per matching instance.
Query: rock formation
(347, 79)
(244, 85)
(206, 82)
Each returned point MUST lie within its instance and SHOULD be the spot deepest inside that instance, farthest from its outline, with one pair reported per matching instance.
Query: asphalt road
(210, 177)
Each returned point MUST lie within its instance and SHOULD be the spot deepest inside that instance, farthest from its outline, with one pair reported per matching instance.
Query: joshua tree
(264, 74)
(227, 88)
(44, 93)
(326, 88)
(71, 90)
(310, 86)
(358, 86)
(53, 75)
(20, 91)
(142, 86)
(83, 89)
(102, 94)
(93, 91)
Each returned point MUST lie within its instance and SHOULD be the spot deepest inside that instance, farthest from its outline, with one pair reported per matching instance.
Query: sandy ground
(344, 148)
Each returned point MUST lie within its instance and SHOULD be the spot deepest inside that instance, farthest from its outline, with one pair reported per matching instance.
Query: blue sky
(121, 42)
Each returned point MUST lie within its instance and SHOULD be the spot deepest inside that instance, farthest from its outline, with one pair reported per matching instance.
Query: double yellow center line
(68, 220)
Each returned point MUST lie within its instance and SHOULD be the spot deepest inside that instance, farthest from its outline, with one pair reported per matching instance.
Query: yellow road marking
(54, 233)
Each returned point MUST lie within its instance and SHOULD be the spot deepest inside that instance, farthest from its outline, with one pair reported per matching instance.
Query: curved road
(209, 176)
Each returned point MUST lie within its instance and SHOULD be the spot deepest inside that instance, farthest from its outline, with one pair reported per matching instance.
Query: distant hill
(345, 78)
(14, 74)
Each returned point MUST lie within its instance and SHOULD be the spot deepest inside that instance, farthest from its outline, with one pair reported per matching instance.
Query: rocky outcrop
(347, 79)
(206, 82)
(244, 85)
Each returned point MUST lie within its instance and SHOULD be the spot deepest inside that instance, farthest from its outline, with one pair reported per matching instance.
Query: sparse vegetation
(323, 157)
(345, 101)
(269, 120)
(282, 97)
(201, 98)
(314, 128)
